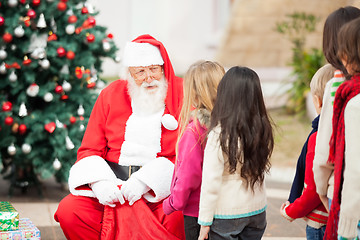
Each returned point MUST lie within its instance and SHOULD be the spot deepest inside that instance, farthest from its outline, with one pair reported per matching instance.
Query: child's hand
(283, 207)
(283, 213)
(325, 201)
(204, 232)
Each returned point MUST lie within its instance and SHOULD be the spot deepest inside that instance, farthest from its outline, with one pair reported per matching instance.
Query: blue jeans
(315, 234)
(247, 228)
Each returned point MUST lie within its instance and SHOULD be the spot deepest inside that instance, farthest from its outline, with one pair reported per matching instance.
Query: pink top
(186, 181)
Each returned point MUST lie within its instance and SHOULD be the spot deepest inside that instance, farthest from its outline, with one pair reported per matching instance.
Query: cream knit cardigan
(223, 195)
(350, 195)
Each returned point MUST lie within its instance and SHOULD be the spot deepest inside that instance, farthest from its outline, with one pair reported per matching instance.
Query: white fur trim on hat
(141, 55)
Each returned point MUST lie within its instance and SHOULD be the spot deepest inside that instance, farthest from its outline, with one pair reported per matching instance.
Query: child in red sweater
(309, 205)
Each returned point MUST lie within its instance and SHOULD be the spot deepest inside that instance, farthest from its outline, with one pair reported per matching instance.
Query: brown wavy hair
(246, 135)
(349, 45)
(332, 27)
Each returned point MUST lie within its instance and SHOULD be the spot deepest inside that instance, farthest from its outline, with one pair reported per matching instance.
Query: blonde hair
(200, 86)
(319, 80)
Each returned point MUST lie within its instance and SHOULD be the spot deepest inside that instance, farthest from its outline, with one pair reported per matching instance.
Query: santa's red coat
(103, 140)
(105, 133)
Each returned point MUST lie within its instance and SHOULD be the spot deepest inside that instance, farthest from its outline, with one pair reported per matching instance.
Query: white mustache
(152, 84)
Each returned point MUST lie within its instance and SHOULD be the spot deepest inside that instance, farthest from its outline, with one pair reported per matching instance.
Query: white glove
(133, 189)
(107, 192)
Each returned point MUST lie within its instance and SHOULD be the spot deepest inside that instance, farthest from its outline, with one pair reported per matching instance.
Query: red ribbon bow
(14, 65)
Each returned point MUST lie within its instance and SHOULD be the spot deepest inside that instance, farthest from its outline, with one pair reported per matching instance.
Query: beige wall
(250, 38)
(190, 30)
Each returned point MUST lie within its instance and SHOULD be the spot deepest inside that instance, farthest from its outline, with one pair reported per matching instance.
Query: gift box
(27, 231)
(9, 217)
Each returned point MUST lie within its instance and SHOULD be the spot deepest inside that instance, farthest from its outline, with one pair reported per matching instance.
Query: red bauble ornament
(7, 106)
(27, 21)
(59, 89)
(9, 121)
(64, 97)
(2, 20)
(84, 10)
(50, 127)
(78, 30)
(22, 129)
(61, 6)
(110, 36)
(90, 38)
(64, 0)
(52, 37)
(72, 119)
(35, 3)
(22, 1)
(81, 118)
(61, 52)
(72, 19)
(78, 72)
(91, 85)
(70, 55)
(91, 21)
(7, 37)
(86, 24)
(31, 14)
(27, 61)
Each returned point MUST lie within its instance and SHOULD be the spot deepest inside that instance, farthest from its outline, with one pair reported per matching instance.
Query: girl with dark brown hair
(239, 146)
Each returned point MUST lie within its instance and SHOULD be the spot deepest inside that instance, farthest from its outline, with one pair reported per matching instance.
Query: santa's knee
(64, 213)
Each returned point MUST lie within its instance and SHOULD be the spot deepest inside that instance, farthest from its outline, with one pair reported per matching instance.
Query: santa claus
(125, 162)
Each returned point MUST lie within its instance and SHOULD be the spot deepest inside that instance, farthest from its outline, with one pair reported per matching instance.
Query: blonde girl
(200, 86)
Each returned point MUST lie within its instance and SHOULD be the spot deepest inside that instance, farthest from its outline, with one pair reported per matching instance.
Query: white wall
(190, 30)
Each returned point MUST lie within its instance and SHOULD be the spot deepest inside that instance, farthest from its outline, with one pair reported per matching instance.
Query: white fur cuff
(89, 170)
(157, 175)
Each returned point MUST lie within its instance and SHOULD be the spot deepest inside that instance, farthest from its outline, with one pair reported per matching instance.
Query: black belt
(122, 172)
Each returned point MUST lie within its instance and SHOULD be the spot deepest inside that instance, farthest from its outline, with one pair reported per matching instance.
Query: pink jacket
(186, 181)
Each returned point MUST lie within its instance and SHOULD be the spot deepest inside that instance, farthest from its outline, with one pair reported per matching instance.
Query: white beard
(146, 101)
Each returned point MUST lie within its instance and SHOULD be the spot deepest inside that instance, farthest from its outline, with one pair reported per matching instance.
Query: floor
(41, 209)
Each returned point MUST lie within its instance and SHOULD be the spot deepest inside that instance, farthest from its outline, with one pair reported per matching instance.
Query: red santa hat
(141, 46)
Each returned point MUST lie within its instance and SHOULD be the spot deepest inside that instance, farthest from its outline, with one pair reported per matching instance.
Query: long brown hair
(332, 26)
(349, 45)
(246, 135)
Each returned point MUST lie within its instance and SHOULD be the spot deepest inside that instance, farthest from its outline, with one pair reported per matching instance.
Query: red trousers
(85, 218)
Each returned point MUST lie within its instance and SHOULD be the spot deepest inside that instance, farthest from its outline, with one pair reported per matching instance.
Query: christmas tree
(51, 53)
